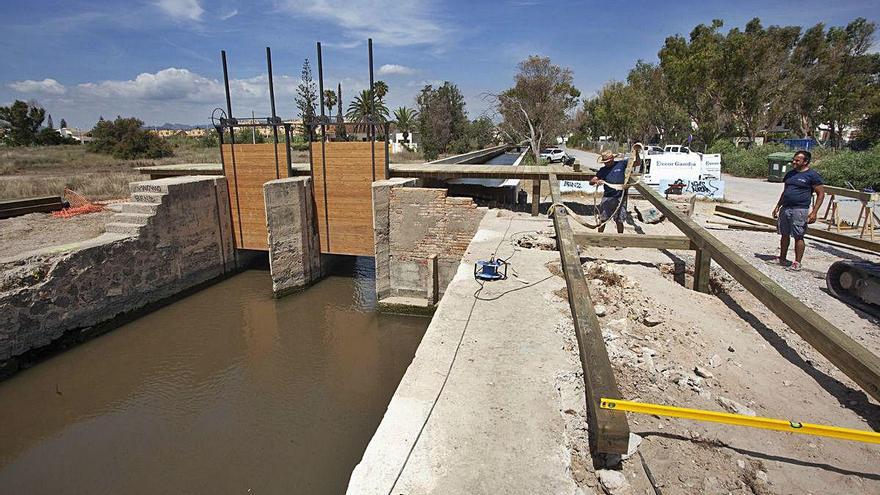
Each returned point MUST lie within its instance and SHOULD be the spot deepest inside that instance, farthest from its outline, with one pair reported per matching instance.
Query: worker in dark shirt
(613, 205)
(793, 209)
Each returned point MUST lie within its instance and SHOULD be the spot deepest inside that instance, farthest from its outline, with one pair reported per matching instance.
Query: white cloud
(167, 84)
(45, 87)
(389, 22)
(394, 69)
(228, 15)
(182, 85)
(182, 9)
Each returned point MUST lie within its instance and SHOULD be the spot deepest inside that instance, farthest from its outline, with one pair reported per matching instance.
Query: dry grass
(47, 170)
(407, 157)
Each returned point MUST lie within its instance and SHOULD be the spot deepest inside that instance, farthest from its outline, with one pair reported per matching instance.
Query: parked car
(674, 148)
(552, 155)
(652, 149)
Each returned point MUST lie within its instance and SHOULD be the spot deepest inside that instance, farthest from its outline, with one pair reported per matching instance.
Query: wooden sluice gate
(342, 177)
(247, 167)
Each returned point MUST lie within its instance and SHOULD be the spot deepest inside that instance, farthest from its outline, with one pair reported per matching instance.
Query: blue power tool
(489, 270)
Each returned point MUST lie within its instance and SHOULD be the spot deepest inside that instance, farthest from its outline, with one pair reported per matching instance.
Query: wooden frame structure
(609, 431)
(868, 199)
(850, 357)
(856, 242)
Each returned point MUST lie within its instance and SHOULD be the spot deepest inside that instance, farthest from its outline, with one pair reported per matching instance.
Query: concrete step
(138, 207)
(132, 218)
(147, 197)
(123, 228)
(147, 187)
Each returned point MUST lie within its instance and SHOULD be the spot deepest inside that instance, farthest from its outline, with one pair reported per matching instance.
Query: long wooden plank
(441, 171)
(850, 357)
(609, 431)
(852, 193)
(634, 240)
(811, 232)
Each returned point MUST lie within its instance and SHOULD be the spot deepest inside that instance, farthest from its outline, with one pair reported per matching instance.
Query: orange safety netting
(79, 205)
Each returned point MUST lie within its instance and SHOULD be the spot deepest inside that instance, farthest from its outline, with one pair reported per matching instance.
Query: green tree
(63, 124)
(536, 107)
(442, 118)
(381, 89)
(49, 122)
(341, 131)
(754, 75)
(127, 139)
(405, 120)
(329, 100)
(306, 98)
(656, 116)
(359, 109)
(691, 68)
(851, 74)
(24, 120)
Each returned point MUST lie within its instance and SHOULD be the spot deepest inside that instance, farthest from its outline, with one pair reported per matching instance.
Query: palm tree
(329, 100)
(359, 108)
(381, 90)
(405, 119)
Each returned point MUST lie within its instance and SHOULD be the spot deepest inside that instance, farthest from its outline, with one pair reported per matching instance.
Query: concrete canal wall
(294, 249)
(173, 235)
(414, 226)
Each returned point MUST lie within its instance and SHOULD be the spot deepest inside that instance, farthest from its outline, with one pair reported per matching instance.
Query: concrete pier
(493, 400)
(294, 250)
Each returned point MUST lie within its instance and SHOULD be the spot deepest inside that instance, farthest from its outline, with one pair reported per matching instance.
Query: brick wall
(425, 222)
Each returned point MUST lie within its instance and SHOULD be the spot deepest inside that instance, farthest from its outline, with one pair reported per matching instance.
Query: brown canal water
(225, 391)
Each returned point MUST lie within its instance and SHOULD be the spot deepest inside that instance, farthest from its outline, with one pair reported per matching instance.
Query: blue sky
(159, 59)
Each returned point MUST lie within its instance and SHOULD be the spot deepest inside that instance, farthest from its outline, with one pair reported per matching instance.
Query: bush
(127, 139)
(742, 162)
(837, 167)
(859, 168)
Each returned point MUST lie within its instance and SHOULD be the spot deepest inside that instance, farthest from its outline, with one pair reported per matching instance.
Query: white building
(399, 144)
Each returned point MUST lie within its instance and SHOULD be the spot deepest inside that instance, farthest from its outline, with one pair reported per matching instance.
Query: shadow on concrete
(849, 398)
(765, 456)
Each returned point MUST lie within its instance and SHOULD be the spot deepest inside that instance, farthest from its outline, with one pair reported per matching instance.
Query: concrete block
(294, 251)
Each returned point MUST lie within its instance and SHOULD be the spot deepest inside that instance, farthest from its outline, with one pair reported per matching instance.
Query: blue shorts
(793, 221)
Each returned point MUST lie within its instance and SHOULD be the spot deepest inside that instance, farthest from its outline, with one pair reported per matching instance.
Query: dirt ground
(38, 230)
(725, 351)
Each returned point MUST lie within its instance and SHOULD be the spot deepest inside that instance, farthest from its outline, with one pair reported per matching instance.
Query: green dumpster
(778, 164)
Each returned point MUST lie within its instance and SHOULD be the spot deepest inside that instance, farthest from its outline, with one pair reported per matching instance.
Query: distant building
(399, 144)
(75, 133)
(196, 132)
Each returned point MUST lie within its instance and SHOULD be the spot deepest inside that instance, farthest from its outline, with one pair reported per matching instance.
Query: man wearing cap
(793, 208)
(613, 205)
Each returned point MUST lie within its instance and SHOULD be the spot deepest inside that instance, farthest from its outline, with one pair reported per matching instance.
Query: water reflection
(221, 392)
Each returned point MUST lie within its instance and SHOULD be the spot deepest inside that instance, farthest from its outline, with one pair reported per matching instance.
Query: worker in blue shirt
(613, 205)
(793, 208)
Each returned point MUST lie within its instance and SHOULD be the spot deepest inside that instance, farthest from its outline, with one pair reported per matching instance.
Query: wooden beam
(608, 430)
(850, 357)
(16, 207)
(702, 269)
(536, 197)
(634, 240)
(811, 232)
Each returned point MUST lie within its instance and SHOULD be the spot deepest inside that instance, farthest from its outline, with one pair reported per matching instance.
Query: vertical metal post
(387, 157)
(232, 146)
(321, 87)
(274, 115)
(372, 126)
(226, 85)
(323, 146)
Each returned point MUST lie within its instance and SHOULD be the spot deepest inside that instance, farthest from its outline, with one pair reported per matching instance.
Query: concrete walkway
(480, 409)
